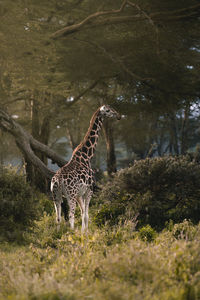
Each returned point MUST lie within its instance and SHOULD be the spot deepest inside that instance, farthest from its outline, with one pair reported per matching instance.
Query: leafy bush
(185, 230)
(48, 232)
(46, 204)
(159, 189)
(19, 205)
(147, 233)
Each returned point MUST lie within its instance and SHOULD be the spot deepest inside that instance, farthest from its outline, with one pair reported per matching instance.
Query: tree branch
(163, 16)
(25, 148)
(148, 81)
(36, 145)
(27, 144)
(76, 27)
(76, 98)
(115, 60)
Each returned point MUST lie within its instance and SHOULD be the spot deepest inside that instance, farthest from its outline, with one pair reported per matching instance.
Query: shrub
(147, 233)
(19, 205)
(159, 189)
(184, 230)
(46, 232)
(46, 204)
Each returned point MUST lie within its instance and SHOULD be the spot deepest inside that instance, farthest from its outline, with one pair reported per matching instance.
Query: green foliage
(147, 233)
(159, 189)
(149, 62)
(184, 230)
(109, 214)
(46, 204)
(19, 205)
(107, 263)
(47, 231)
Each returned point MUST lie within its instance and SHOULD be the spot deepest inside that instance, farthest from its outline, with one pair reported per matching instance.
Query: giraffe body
(75, 180)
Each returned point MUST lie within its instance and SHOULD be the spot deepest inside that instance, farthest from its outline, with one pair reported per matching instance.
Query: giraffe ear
(102, 108)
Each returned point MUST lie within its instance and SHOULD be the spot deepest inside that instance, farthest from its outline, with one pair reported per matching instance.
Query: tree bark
(72, 142)
(173, 133)
(110, 146)
(39, 132)
(28, 145)
(184, 135)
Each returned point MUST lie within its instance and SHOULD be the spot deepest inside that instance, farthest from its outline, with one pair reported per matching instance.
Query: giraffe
(75, 180)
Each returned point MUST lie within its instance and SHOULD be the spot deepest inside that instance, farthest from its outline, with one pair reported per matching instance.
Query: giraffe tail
(54, 188)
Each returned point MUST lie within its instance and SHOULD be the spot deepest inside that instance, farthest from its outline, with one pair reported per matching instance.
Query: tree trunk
(41, 133)
(110, 146)
(72, 142)
(173, 134)
(184, 137)
(28, 145)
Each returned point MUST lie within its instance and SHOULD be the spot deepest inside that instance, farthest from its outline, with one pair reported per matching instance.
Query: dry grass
(110, 264)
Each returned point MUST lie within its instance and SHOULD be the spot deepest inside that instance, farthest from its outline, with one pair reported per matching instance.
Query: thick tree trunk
(28, 145)
(39, 132)
(184, 135)
(44, 135)
(110, 146)
(29, 167)
(173, 134)
(72, 142)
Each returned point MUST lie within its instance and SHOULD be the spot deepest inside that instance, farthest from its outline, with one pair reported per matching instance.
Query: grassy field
(108, 263)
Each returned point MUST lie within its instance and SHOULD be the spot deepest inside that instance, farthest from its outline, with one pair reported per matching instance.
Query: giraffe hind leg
(57, 198)
(70, 205)
(84, 206)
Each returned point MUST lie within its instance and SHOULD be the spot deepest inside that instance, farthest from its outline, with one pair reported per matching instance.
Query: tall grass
(108, 263)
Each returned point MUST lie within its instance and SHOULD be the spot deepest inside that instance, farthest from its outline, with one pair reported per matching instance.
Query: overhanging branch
(89, 19)
(157, 17)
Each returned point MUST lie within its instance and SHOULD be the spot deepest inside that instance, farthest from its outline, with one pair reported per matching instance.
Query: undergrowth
(107, 263)
(115, 260)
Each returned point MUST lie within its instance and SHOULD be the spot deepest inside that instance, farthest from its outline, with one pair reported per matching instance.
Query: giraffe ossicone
(75, 180)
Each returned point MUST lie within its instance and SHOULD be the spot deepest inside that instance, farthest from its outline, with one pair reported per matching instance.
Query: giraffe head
(109, 112)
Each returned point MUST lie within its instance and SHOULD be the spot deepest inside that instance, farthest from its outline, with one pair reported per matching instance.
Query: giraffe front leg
(82, 208)
(71, 220)
(83, 220)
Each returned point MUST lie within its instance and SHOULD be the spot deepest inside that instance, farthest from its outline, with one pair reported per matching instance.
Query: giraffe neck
(85, 150)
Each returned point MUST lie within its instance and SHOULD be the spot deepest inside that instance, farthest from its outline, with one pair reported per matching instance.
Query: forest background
(60, 60)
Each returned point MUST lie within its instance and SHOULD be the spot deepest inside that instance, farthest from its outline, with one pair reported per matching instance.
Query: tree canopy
(61, 59)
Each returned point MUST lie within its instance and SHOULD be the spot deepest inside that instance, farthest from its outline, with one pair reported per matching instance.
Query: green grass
(108, 263)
